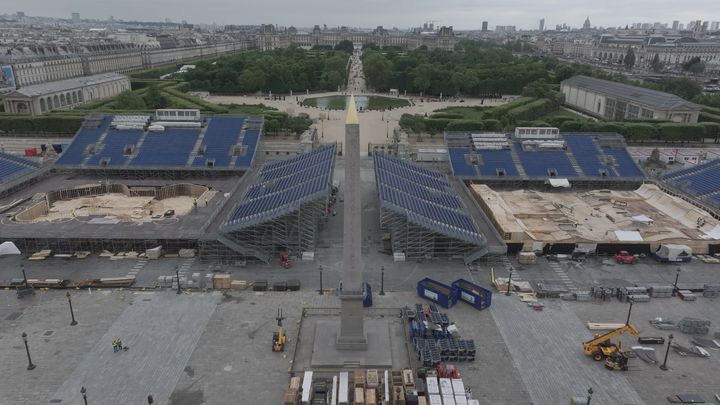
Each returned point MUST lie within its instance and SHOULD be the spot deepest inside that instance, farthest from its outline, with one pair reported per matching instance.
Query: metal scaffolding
(294, 232)
(419, 242)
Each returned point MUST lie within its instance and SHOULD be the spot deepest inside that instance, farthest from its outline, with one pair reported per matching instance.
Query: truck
(623, 257)
(673, 253)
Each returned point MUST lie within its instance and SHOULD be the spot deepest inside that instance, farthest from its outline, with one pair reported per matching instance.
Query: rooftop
(651, 98)
(67, 84)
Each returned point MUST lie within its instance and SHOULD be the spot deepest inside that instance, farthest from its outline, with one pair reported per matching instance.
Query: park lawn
(468, 113)
(565, 114)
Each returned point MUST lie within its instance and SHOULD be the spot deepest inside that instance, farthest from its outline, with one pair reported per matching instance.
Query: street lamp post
(72, 313)
(177, 274)
(382, 280)
(83, 391)
(22, 268)
(627, 322)
(675, 287)
(664, 365)
(321, 287)
(590, 392)
(30, 366)
(508, 286)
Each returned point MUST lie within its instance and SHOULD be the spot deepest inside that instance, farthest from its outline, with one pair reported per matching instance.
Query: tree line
(278, 71)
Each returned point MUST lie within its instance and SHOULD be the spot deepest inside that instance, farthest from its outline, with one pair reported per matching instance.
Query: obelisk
(352, 331)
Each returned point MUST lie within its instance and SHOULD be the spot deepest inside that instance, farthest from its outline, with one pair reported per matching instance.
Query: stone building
(65, 94)
(618, 101)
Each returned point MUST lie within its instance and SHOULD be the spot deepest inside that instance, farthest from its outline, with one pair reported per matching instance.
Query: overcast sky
(462, 14)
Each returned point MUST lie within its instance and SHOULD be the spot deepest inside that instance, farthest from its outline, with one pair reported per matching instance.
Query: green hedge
(196, 101)
(532, 110)
(436, 125)
(640, 132)
(500, 111)
(50, 124)
(450, 116)
(711, 129)
(681, 132)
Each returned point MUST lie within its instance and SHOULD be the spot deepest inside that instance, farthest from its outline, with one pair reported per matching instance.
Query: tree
(154, 99)
(129, 100)
(629, 60)
(697, 68)
(656, 65)
(345, 46)
(682, 87)
(693, 61)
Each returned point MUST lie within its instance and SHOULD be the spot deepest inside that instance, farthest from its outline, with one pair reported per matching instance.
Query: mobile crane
(278, 338)
(601, 347)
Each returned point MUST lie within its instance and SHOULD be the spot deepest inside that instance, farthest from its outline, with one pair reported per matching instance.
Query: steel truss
(420, 243)
(295, 232)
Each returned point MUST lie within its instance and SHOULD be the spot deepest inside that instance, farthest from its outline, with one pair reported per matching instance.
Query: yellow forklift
(278, 338)
(600, 347)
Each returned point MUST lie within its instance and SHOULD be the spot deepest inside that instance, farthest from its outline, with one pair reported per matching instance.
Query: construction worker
(115, 345)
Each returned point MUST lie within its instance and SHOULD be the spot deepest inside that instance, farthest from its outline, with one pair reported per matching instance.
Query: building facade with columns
(64, 94)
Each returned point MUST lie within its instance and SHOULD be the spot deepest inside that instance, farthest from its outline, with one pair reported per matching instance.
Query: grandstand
(281, 210)
(532, 156)
(701, 182)
(12, 167)
(423, 214)
(136, 144)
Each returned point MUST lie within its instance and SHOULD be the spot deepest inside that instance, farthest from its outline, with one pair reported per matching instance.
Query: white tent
(714, 233)
(628, 236)
(8, 248)
(564, 183)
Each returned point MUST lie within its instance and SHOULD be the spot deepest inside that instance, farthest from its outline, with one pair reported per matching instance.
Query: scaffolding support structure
(421, 243)
(295, 232)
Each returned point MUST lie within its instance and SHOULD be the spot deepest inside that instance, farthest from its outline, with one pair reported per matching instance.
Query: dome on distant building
(586, 24)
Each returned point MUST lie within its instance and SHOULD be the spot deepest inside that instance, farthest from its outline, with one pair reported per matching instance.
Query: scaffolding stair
(604, 159)
(98, 142)
(196, 148)
(242, 249)
(138, 145)
(575, 165)
(517, 163)
(475, 255)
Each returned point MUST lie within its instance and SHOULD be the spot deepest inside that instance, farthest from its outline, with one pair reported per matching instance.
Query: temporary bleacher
(283, 187)
(129, 142)
(541, 154)
(169, 148)
(425, 197)
(89, 133)
(220, 137)
(545, 163)
(12, 166)
(699, 181)
(114, 147)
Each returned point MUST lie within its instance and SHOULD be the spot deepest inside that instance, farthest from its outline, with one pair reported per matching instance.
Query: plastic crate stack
(435, 345)
(711, 290)
(694, 326)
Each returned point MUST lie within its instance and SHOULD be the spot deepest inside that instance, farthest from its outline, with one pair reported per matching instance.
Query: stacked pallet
(694, 326)
(636, 294)
(527, 258)
(292, 394)
(222, 281)
(661, 291)
(711, 290)
(686, 295)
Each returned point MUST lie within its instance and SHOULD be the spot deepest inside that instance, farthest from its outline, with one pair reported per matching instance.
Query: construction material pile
(435, 338)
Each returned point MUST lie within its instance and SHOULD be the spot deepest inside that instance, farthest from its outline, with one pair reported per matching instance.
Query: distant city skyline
(461, 14)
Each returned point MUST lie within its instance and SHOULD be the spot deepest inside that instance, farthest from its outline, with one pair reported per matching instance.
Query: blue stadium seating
(538, 163)
(74, 154)
(432, 203)
(285, 185)
(626, 166)
(587, 155)
(169, 148)
(113, 147)
(11, 166)
(459, 166)
(250, 139)
(220, 136)
(698, 180)
(497, 159)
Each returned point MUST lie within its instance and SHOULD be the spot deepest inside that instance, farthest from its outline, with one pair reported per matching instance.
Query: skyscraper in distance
(542, 24)
(676, 25)
(484, 26)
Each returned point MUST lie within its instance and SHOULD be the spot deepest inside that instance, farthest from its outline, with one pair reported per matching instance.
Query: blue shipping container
(437, 292)
(473, 294)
